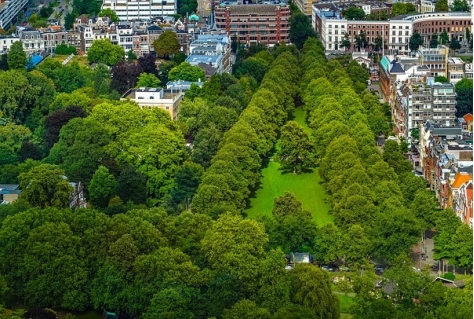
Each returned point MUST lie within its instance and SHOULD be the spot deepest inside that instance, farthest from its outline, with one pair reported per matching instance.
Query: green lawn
(345, 303)
(304, 186)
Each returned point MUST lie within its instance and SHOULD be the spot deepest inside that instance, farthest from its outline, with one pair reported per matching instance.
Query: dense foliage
(165, 236)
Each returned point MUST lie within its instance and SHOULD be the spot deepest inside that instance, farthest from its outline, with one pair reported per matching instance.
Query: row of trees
(235, 169)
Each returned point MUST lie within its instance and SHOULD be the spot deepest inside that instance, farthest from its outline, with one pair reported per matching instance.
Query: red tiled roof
(468, 117)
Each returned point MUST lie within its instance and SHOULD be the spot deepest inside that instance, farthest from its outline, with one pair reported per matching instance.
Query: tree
(353, 13)
(434, 41)
(297, 151)
(444, 37)
(346, 43)
(462, 246)
(69, 20)
(29, 150)
(69, 78)
(186, 72)
(64, 49)
(310, 287)
(188, 177)
(102, 187)
(147, 64)
(361, 40)
(16, 56)
(246, 309)
(109, 13)
(167, 44)
(441, 79)
(125, 75)
(454, 45)
(442, 6)
(463, 97)
(45, 186)
(400, 8)
(415, 41)
(460, 5)
(131, 186)
(131, 56)
(378, 43)
(147, 80)
(104, 51)
(300, 29)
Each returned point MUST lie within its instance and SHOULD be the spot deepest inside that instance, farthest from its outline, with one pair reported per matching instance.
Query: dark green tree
(434, 41)
(454, 45)
(415, 41)
(442, 6)
(300, 29)
(167, 44)
(460, 5)
(346, 43)
(463, 97)
(69, 19)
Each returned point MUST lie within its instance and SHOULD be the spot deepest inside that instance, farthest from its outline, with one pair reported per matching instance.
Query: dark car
(379, 269)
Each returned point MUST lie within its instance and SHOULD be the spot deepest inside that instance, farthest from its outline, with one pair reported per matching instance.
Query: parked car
(379, 269)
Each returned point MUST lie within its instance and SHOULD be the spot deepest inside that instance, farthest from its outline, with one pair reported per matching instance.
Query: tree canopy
(104, 51)
(167, 44)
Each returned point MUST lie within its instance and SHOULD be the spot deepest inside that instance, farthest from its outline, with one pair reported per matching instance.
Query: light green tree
(186, 72)
(104, 51)
(296, 149)
(16, 56)
(109, 13)
(147, 80)
(102, 187)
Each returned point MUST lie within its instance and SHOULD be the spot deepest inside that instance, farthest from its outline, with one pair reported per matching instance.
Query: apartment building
(396, 32)
(52, 37)
(418, 102)
(129, 10)
(31, 39)
(264, 23)
(9, 11)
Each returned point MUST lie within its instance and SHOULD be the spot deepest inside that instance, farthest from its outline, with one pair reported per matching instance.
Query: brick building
(264, 23)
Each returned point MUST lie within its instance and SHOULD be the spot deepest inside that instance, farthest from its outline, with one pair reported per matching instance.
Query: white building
(9, 10)
(330, 25)
(136, 9)
(6, 42)
(400, 32)
(149, 98)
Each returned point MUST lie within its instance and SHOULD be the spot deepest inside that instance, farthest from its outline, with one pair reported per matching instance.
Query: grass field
(305, 187)
(345, 303)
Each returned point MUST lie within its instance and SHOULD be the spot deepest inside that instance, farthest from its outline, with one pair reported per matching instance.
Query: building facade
(396, 32)
(135, 9)
(253, 23)
(9, 11)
